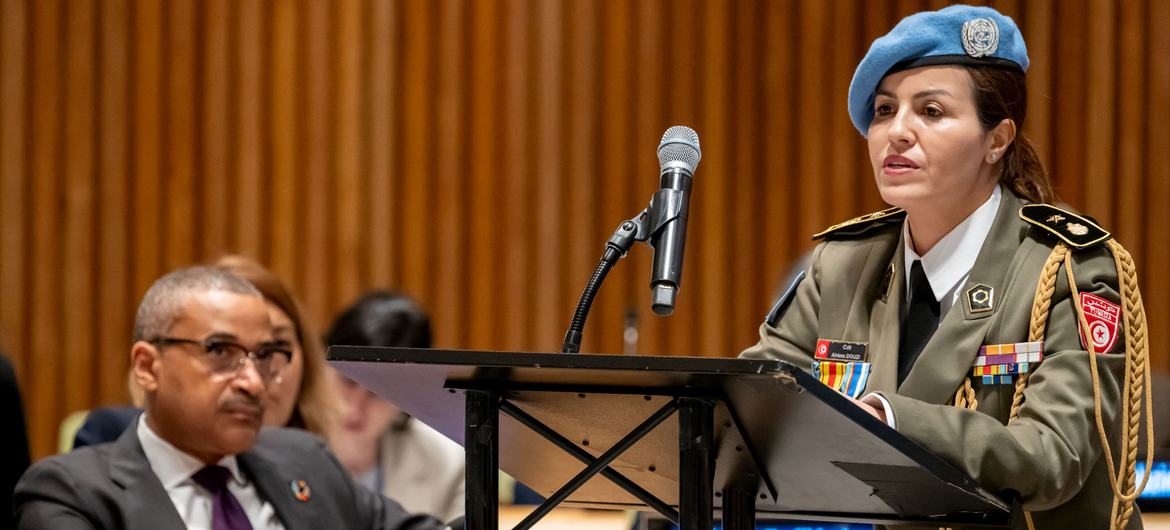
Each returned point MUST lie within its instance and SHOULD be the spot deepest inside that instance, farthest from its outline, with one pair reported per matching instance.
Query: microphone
(678, 156)
(663, 223)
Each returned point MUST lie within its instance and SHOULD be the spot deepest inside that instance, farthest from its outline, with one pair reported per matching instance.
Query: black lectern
(750, 437)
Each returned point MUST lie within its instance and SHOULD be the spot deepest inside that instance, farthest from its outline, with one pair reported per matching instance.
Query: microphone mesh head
(679, 144)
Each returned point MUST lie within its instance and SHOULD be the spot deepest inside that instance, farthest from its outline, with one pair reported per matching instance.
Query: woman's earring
(994, 157)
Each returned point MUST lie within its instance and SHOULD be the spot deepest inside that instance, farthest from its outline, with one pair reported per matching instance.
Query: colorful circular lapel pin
(300, 490)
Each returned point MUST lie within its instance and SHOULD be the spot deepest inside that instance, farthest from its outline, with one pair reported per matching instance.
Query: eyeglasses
(225, 357)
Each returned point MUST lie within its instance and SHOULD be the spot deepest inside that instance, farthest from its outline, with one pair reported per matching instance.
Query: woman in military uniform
(967, 316)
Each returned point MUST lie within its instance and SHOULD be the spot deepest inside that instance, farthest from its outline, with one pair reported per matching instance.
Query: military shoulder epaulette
(1076, 230)
(863, 224)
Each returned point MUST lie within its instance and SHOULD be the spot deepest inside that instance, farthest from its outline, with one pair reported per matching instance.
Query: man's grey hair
(163, 302)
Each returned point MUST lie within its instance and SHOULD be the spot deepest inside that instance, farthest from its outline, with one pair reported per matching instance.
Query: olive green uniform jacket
(1051, 455)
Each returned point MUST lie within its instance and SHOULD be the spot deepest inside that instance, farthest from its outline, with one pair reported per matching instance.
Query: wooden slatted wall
(477, 153)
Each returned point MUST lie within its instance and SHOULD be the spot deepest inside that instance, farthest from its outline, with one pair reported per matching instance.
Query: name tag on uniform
(841, 365)
(997, 363)
(837, 350)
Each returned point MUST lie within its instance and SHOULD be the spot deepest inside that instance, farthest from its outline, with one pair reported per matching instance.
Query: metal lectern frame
(696, 463)
(752, 400)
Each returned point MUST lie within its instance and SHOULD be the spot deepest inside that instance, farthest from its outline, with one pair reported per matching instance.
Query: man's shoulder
(287, 437)
(286, 446)
(87, 463)
(287, 456)
(68, 478)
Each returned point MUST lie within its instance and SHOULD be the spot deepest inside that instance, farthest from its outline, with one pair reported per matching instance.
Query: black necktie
(920, 321)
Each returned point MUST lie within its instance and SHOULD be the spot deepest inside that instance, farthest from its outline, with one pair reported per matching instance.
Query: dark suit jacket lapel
(276, 488)
(144, 496)
(947, 358)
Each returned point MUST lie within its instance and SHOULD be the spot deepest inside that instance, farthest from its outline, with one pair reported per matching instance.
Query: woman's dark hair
(1000, 93)
(381, 318)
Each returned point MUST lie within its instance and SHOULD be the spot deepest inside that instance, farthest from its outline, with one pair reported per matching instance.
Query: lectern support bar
(482, 444)
(739, 509)
(580, 454)
(696, 444)
(696, 417)
(602, 462)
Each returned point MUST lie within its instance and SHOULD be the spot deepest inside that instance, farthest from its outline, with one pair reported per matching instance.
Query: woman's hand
(873, 407)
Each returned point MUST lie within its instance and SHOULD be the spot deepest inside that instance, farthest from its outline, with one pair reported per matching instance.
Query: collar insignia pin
(300, 490)
(1077, 229)
(980, 298)
(887, 282)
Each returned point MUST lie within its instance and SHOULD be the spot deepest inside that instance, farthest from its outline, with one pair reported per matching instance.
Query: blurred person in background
(104, 424)
(379, 444)
(300, 396)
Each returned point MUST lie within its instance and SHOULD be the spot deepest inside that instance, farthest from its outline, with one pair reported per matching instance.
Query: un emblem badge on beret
(980, 37)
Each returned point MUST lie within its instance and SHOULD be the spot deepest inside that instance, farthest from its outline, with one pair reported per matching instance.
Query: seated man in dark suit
(14, 443)
(197, 458)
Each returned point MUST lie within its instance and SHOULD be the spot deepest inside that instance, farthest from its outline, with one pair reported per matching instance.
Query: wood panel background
(477, 154)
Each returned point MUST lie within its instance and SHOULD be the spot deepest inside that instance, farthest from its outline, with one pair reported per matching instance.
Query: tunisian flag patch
(1103, 317)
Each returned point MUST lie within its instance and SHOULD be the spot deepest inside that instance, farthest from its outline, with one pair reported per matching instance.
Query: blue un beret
(955, 35)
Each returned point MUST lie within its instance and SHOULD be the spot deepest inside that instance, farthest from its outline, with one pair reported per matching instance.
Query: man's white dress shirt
(174, 469)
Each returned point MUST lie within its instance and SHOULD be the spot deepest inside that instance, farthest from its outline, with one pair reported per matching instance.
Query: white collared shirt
(174, 469)
(948, 263)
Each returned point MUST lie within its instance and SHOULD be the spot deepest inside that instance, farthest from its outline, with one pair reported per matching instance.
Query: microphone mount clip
(664, 207)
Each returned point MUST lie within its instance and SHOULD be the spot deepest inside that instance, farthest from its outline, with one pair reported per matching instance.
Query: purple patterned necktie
(226, 512)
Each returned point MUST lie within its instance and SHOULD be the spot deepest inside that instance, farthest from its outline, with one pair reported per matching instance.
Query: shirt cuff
(876, 400)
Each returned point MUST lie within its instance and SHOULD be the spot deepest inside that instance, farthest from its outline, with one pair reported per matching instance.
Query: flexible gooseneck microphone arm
(615, 249)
